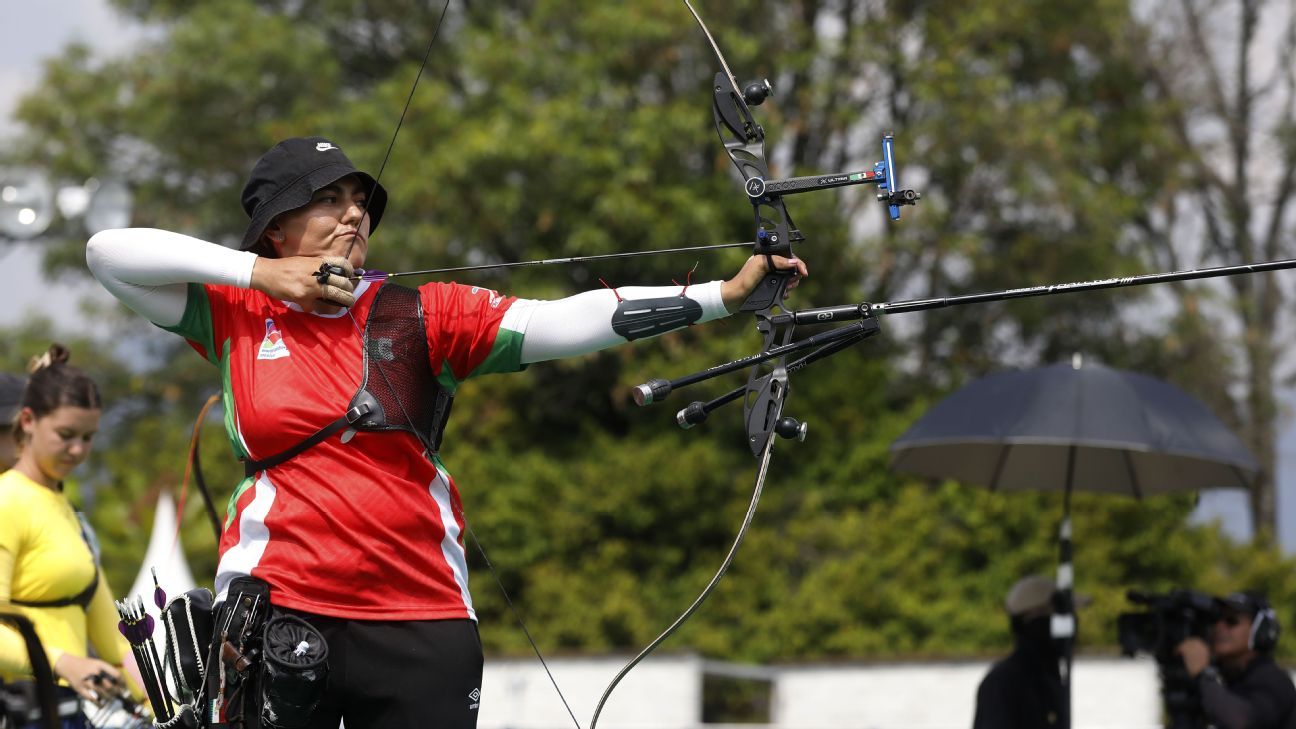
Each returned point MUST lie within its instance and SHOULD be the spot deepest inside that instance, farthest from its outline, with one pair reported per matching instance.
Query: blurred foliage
(574, 128)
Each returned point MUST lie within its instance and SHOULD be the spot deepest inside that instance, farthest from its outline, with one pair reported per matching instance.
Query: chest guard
(398, 390)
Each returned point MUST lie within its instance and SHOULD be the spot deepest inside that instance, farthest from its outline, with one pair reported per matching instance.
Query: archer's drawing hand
(296, 279)
(737, 289)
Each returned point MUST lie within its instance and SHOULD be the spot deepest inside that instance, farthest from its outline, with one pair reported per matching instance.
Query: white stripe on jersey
(453, 552)
(254, 537)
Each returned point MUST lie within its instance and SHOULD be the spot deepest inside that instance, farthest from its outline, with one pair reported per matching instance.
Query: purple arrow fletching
(134, 632)
(159, 597)
(371, 274)
(148, 625)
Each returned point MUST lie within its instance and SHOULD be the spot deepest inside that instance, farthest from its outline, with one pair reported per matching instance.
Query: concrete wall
(666, 693)
(1108, 693)
(658, 693)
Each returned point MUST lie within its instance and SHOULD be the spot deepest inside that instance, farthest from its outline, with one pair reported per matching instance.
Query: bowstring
(391, 145)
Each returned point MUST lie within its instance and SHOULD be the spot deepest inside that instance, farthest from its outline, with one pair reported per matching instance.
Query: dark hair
(53, 383)
(263, 249)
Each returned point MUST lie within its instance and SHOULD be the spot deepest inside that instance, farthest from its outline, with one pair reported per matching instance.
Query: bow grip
(769, 291)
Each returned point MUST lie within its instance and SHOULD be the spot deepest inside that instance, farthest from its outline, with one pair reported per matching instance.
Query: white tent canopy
(165, 555)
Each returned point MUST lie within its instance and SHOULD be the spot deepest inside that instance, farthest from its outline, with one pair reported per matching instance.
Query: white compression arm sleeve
(149, 270)
(582, 323)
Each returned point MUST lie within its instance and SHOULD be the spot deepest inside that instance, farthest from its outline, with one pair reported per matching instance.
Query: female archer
(49, 562)
(337, 389)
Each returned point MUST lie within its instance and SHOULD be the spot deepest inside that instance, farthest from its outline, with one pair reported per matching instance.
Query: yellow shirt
(43, 557)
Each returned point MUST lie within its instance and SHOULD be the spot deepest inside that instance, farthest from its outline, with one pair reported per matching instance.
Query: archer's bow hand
(312, 282)
(736, 290)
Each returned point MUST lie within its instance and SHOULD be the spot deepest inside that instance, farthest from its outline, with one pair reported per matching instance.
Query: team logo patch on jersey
(495, 299)
(273, 346)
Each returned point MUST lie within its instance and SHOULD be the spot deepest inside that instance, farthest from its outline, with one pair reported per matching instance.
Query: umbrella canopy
(1075, 427)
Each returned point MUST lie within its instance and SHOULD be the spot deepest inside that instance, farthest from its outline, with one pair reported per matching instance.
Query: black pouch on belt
(188, 620)
(294, 672)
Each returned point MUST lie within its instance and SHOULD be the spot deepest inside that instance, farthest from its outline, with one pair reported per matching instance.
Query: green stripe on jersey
(196, 324)
(231, 507)
(228, 404)
(505, 356)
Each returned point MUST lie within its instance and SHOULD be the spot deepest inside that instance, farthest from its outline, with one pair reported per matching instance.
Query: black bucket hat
(292, 171)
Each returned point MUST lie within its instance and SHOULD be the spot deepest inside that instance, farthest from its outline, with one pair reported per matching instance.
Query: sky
(36, 31)
(39, 30)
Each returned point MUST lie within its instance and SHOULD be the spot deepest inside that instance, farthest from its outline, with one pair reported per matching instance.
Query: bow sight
(883, 175)
(744, 140)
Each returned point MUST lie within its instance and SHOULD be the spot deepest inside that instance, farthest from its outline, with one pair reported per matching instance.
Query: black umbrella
(1069, 427)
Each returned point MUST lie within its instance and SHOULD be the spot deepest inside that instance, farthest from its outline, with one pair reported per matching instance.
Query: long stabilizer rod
(899, 307)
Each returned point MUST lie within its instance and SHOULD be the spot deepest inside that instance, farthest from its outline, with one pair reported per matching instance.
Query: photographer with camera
(1239, 684)
(1024, 690)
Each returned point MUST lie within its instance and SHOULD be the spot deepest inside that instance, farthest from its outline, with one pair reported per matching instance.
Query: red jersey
(368, 529)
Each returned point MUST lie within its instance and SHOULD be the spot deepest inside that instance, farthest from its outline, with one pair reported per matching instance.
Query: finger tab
(339, 282)
(333, 294)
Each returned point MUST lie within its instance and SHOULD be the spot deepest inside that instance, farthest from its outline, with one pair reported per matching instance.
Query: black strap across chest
(398, 391)
(82, 598)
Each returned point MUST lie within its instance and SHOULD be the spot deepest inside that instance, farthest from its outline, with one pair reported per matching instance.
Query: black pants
(412, 674)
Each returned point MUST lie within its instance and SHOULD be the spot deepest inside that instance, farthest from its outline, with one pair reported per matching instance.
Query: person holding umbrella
(1025, 690)
(1240, 685)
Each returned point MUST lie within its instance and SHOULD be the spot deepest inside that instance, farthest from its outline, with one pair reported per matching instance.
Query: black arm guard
(639, 318)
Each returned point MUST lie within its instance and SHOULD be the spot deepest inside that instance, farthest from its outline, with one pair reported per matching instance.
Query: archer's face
(333, 223)
(56, 443)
